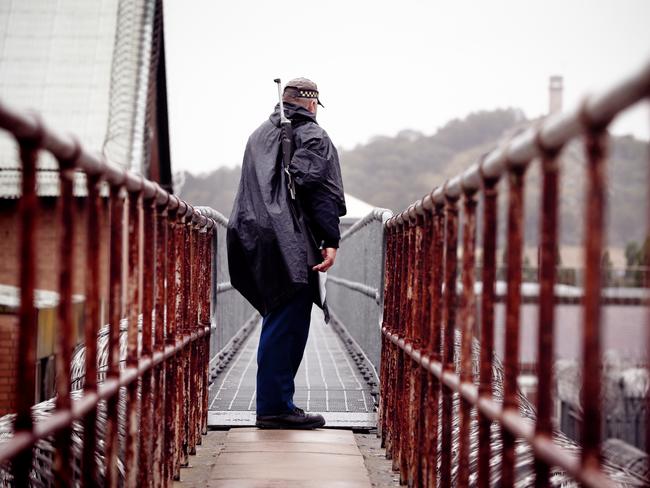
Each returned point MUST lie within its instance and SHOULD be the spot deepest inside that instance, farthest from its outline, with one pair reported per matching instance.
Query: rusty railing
(160, 279)
(421, 374)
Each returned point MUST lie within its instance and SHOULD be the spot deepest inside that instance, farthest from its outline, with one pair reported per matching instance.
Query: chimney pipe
(555, 88)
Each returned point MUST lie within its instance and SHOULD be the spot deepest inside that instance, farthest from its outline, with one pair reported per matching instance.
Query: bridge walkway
(328, 382)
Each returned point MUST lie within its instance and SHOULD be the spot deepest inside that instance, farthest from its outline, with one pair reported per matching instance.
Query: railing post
(200, 386)
(424, 330)
(205, 317)
(116, 312)
(468, 324)
(181, 314)
(386, 328)
(160, 474)
(186, 352)
(449, 324)
(62, 440)
(389, 390)
(193, 350)
(488, 280)
(179, 421)
(591, 353)
(391, 442)
(405, 315)
(25, 367)
(148, 388)
(407, 363)
(95, 223)
(200, 317)
(415, 324)
(387, 350)
(513, 304)
(134, 308)
(171, 365)
(546, 309)
(399, 352)
(435, 344)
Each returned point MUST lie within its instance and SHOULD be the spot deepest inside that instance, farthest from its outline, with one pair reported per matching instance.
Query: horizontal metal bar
(452, 187)
(602, 107)
(356, 286)
(509, 419)
(377, 214)
(471, 179)
(211, 213)
(80, 407)
(26, 125)
(552, 133)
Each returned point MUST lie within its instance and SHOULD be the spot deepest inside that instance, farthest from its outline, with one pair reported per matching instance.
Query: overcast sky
(386, 66)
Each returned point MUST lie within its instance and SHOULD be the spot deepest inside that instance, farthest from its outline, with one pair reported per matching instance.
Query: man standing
(269, 234)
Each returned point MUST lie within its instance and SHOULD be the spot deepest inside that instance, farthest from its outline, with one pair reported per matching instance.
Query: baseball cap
(304, 88)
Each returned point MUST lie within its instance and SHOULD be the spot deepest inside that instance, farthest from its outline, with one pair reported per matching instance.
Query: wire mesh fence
(355, 283)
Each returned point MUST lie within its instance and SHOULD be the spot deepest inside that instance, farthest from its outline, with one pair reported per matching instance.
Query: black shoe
(296, 419)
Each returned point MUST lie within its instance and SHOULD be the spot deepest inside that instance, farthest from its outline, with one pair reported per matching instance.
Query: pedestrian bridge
(414, 352)
(330, 380)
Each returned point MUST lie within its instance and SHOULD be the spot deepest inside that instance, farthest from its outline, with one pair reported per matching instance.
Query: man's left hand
(329, 256)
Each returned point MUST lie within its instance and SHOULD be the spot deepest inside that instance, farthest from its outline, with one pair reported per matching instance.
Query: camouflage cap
(303, 88)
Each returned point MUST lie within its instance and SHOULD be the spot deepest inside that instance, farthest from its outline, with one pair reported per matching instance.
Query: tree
(529, 273)
(606, 267)
(643, 258)
(631, 254)
(632, 275)
(644, 263)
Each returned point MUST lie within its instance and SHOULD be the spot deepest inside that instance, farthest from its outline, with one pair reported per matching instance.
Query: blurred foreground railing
(422, 370)
(355, 283)
(162, 275)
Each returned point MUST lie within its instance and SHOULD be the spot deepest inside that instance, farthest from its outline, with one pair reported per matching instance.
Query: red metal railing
(162, 276)
(418, 374)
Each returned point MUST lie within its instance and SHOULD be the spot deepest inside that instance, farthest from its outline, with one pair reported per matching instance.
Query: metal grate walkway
(328, 382)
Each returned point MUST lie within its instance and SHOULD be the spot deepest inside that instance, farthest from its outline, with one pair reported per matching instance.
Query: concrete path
(252, 458)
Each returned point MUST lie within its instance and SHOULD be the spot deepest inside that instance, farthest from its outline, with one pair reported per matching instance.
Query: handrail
(28, 126)
(211, 213)
(169, 253)
(421, 369)
(370, 291)
(595, 113)
(380, 214)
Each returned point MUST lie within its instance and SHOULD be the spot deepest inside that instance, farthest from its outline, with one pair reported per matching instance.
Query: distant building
(356, 210)
(97, 71)
(555, 89)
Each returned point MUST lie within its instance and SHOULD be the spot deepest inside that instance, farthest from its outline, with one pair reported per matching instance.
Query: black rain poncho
(267, 254)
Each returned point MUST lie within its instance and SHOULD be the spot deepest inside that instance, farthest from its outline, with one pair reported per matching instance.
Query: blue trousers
(282, 344)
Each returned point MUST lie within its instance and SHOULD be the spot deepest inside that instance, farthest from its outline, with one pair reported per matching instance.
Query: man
(268, 244)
